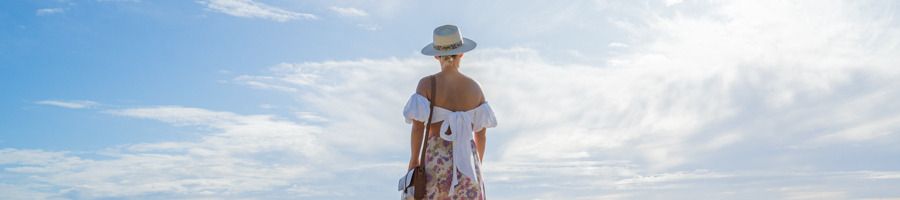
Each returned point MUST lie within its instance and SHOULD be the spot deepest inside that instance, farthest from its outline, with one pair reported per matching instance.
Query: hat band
(448, 47)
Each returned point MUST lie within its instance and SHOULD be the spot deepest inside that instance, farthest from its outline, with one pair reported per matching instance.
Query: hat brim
(467, 45)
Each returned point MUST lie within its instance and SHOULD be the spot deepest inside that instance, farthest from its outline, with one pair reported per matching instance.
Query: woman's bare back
(455, 92)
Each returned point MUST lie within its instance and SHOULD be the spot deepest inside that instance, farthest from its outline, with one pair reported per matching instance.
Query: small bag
(406, 184)
(412, 185)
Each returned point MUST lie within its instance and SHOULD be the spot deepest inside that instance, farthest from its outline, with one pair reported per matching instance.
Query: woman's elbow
(481, 133)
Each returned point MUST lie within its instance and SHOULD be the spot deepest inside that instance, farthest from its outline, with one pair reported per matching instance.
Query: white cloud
(253, 9)
(348, 11)
(309, 117)
(696, 89)
(357, 108)
(180, 115)
(709, 85)
(369, 27)
(623, 180)
(250, 133)
(260, 83)
(642, 111)
(863, 132)
(807, 193)
(48, 11)
(240, 155)
(618, 45)
(673, 2)
(68, 104)
(23, 191)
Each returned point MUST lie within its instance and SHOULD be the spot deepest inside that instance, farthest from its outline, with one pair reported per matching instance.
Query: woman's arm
(479, 143)
(415, 143)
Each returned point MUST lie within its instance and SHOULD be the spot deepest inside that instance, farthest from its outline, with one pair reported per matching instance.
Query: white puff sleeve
(484, 118)
(417, 108)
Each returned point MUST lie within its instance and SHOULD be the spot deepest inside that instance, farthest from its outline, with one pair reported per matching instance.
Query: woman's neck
(450, 69)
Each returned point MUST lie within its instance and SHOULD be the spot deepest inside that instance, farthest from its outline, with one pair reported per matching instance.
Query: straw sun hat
(448, 41)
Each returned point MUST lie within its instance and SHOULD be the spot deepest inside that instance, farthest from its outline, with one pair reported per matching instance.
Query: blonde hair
(448, 58)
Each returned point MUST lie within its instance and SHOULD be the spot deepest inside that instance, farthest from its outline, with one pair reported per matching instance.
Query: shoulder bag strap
(428, 124)
(419, 180)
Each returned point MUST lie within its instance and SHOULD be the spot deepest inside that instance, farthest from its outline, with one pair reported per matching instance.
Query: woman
(455, 144)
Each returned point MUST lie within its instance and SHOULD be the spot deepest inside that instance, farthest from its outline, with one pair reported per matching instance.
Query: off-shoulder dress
(452, 167)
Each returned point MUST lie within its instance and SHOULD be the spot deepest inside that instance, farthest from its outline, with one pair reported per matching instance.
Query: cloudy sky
(278, 99)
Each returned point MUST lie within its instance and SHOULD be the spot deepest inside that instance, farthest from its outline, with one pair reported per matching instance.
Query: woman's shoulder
(470, 86)
(424, 86)
(475, 87)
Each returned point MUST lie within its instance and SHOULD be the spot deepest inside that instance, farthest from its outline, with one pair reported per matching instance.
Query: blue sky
(271, 99)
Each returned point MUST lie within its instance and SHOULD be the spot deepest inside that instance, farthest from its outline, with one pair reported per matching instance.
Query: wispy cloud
(348, 11)
(239, 155)
(740, 87)
(68, 104)
(619, 180)
(48, 11)
(649, 111)
(261, 82)
(323, 88)
(673, 2)
(618, 45)
(369, 27)
(253, 9)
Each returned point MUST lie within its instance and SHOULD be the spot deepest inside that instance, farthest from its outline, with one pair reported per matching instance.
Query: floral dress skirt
(438, 174)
